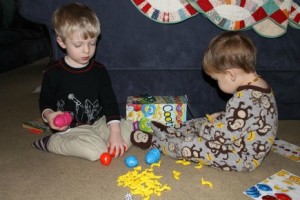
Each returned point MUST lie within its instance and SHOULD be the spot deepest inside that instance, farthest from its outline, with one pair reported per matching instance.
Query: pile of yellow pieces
(144, 183)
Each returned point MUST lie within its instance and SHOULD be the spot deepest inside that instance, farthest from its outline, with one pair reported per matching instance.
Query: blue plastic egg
(152, 156)
(156, 151)
(131, 161)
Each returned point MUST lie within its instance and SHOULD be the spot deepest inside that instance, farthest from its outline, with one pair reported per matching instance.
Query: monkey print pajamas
(238, 140)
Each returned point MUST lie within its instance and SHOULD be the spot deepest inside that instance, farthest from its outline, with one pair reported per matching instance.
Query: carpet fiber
(27, 173)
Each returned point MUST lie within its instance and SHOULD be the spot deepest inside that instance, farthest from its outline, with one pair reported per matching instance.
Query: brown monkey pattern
(238, 140)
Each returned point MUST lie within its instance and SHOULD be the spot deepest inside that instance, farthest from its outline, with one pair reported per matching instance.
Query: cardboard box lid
(156, 100)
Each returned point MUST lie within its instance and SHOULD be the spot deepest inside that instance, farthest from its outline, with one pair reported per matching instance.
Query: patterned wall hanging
(166, 11)
(269, 18)
(294, 18)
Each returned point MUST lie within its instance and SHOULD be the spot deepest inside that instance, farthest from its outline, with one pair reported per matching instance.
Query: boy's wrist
(113, 122)
(114, 127)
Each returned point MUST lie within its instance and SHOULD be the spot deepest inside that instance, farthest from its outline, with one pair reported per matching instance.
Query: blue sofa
(144, 56)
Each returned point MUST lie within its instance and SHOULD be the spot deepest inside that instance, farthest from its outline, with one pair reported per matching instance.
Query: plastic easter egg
(152, 156)
(156, 151)
(59, 121)
(105, 158)
(64, 119)
(131, 161)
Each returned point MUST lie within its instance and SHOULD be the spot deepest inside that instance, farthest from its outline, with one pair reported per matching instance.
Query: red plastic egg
(105, 158)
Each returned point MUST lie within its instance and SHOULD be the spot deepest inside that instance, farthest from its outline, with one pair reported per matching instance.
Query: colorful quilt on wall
(166, 11)
(269, 18)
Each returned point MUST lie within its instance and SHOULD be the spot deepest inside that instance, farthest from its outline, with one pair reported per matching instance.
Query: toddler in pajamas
(236, 139)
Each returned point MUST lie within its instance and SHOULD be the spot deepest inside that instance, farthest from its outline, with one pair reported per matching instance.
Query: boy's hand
(117, 145)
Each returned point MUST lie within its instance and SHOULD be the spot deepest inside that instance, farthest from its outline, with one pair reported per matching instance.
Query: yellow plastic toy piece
(176, 174)
(183, 162)
(155, 165)
(144, 183)
(204, 182)
(199, 166)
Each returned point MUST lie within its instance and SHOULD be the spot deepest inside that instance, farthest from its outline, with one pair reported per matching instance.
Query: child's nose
(86, 49)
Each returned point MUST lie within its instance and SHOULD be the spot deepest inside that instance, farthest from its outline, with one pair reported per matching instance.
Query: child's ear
(60, 42)
(231, 73)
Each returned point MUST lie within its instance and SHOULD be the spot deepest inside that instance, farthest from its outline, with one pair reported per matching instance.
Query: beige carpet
(29, 174)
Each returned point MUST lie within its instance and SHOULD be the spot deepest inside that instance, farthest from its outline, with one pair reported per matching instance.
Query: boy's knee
(93, 156)
(90, 154)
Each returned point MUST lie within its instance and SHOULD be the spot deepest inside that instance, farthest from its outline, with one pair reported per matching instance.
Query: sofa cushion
(9, 36)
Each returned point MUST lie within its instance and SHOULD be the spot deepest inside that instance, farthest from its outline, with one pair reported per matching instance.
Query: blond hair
(75, 17)
(230, 50)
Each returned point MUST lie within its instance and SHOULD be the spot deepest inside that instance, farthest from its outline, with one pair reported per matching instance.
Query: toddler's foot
(141, 139)
(159, 130)
(41, 144)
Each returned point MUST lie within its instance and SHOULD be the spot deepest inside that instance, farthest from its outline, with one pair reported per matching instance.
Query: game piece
(152, 156)
(183, 162)
(204, 182)
(156, 164)
(144, 183)
(105, 158)
(131, 161)
(176, 174)
(198, 166)
(64, 119)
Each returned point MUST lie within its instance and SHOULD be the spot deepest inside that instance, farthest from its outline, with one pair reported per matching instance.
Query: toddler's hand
(211, 118)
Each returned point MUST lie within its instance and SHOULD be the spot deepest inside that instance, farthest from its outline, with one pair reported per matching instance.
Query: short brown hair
(75, 17)
(230, 50)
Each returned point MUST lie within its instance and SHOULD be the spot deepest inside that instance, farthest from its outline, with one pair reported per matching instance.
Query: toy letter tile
(169, 110)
